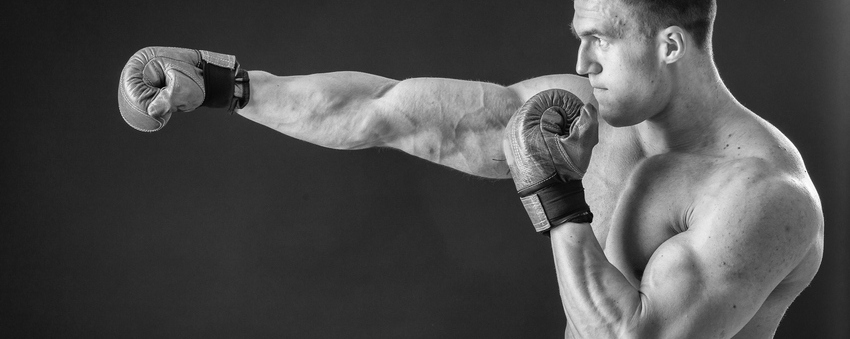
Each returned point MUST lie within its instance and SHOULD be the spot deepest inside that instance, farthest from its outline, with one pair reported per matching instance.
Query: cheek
(632, 80)
(637, 84)
(629, 104)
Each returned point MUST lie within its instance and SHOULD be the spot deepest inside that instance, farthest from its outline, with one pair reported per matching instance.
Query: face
(624, 68)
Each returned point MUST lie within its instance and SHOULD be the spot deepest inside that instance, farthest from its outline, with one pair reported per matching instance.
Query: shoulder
(756, 163)
(755, 141)
(758, 192)
(754, 177)
(762, 206)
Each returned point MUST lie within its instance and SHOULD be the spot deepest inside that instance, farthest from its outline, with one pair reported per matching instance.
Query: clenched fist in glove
(547, 144)
(158, 81)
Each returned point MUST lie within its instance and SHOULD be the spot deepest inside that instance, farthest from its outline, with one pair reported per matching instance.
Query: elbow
(376, 127)
(367, 125)
(355, 124)
(372, 131)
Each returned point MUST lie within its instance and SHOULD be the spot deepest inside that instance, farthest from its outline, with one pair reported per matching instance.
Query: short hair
(694, 16)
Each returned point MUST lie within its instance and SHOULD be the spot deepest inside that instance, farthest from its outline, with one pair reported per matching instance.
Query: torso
(640, 201)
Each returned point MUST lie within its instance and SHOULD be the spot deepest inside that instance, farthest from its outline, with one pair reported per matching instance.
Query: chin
(613, 119)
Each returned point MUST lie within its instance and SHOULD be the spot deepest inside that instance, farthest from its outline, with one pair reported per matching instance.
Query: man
(705, 223)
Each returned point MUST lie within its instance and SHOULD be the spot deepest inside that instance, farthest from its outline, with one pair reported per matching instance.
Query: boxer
(679, 214)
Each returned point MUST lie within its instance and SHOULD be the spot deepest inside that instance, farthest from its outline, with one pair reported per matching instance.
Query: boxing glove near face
(548, 144)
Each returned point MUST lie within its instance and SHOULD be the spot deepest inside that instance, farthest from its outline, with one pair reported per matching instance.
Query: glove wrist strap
(221, 75)
(219, 83)
(557, 203)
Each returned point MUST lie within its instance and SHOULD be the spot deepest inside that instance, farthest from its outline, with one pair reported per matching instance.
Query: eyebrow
(594, 31)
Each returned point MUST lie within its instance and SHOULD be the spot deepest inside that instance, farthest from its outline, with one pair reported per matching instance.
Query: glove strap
(219, 83)
(556, 202)
(221, 74)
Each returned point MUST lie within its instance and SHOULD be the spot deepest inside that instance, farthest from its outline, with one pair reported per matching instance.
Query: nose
(587, 63)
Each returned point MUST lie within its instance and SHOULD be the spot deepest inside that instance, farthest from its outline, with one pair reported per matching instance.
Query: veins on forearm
(597, 297)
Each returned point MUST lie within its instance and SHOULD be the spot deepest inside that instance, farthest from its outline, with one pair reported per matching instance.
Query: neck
(700, 106)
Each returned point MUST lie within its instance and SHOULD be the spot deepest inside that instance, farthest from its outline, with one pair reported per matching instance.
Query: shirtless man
(706, 223)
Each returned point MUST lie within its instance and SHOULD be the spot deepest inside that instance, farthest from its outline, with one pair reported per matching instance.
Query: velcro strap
(218, 59)
(219, 84)
(536, 212)
(556, 204)
(219, 74)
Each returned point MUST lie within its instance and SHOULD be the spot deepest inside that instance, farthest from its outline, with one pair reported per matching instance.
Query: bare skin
(706, 225)
(709, 224)
(455, 123)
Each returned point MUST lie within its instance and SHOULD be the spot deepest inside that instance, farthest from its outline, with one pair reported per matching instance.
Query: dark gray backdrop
(218, 227)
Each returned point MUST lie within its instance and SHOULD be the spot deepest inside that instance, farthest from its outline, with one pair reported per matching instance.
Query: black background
(219, 227)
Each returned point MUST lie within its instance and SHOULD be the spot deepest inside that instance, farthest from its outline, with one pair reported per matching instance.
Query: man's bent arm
(706, 282)
(450, 122)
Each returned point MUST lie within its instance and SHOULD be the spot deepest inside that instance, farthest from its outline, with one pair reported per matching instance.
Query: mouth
(597, 87)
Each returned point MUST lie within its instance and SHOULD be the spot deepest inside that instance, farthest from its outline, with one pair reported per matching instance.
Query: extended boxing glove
(158, 81)
(547, 144)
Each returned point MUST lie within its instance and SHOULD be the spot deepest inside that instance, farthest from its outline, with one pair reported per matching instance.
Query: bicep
(685, 293)
(714, 277)
(454, 123)
(457, 123)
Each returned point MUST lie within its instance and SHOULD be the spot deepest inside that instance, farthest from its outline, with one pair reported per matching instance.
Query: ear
(672, 44)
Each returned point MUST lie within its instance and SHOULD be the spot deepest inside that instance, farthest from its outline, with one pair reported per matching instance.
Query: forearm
(598, 299)
(334, 110)
(451, 122)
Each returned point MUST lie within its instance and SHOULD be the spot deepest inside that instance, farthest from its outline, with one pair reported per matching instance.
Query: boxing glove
(547, 144)
(158, 81)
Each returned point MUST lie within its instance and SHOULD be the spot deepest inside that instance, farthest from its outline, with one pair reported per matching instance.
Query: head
(637, 53)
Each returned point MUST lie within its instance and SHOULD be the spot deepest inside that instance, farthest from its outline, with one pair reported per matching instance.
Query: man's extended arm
(450, 122)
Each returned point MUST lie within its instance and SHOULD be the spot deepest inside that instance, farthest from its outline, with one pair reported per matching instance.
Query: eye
(602, 43)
